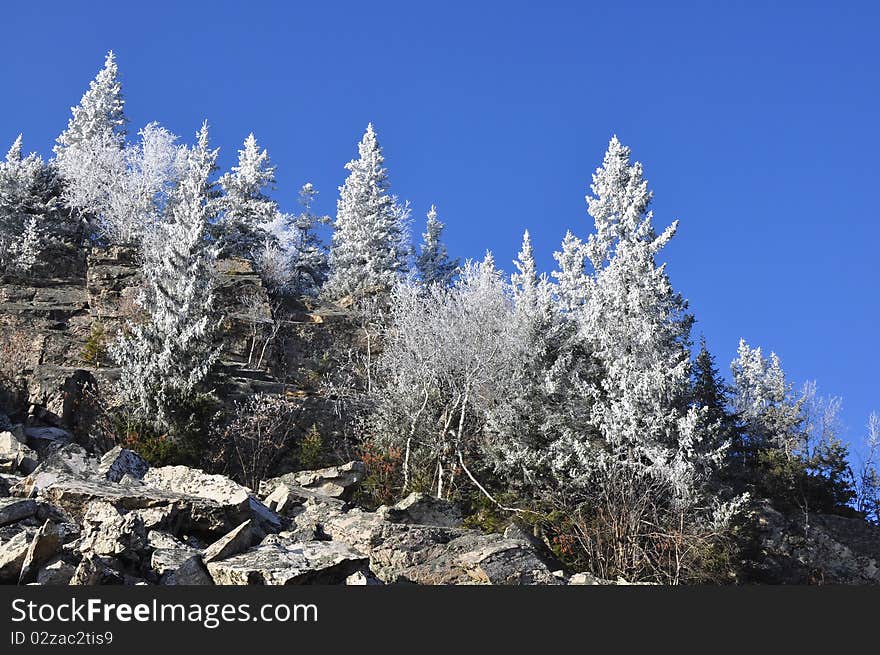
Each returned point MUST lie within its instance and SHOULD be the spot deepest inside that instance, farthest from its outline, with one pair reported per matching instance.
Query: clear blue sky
(757, 125)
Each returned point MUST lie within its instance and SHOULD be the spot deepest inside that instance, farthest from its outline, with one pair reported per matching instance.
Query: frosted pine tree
(165, 360)
(307, 251)
(433, 262)
(571, 278)
(369, 246)
(246, 209)
(638, 328)
(30, 208)
(100, 116)
(764, 400)
(89, 153)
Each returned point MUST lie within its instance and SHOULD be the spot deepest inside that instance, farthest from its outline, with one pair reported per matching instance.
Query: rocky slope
(75, 518)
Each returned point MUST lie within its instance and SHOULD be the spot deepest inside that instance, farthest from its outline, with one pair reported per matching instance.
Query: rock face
(827, 550)
(48, 318)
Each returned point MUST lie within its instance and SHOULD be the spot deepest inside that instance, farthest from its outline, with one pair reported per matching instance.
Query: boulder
(335, 481)
(16, 456)
(68, 461)
(287, 500)
(278, 562)
(193, 482)
(13, 510)
(237, 541)
(422, 509)
(44, 546)
(7, 481)
(427, 554)
(181, 514)
(168, 560)
(13, 553)
(169, 553)
(43, 438)
(829, 550)
(56, 572)
(109, 532)
(94, 569)
(121, 462)
(233, 497)
(191, 572)
(362, 579)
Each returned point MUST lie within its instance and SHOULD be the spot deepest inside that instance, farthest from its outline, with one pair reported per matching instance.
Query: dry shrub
(252, 438)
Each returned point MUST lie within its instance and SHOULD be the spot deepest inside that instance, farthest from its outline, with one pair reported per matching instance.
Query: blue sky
(756, 123)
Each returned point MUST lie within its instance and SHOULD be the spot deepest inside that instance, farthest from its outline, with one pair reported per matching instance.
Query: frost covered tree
(292, 259)
(765, 401)
(448, 357)
(369, 247)
(868, 476)
(433, 263)
(246, 210)
(638, 328)
(571, 278)
(165, 360)
(100, 115)
(30, 208)
(307, 250)
(126, 200)
(89, 151)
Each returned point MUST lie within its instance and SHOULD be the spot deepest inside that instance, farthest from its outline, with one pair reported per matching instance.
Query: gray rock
(120, 462)
(96, 570)
(335, 481)
(182, 514)
(158, 540)
(362, 579)
(12, 555)
(286, 498)
(422, 509)
(425, 554)
(233, 497)
(69, 461)
(109, 532)
(56, 572)
(237, 541)
(13, 510)
(191, 572)
(193, 482)
(277, 562)
(15, 456)
(167, 560)
(44, 546)
(7, 481)
(42, 438)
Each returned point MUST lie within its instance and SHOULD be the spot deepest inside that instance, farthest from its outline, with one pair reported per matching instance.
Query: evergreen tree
(709, 389)
(525, 281)
(571, 279)
(89, 153)
(308, 252)
(433, 263)
(246, 209)
(369, 247)
(31, 215)
(165, 360)
(100, 116)
(638, 328)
